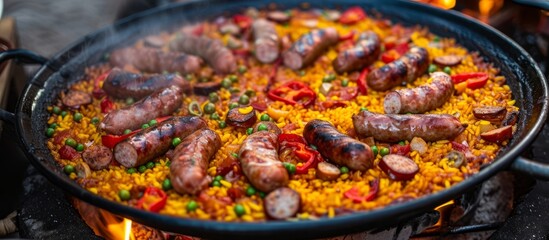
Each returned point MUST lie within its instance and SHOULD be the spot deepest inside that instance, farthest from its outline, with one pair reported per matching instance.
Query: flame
(443, 211)
(103, 223)
(445, 4)
(127, 229)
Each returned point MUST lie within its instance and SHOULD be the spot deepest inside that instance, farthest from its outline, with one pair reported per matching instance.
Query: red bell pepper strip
(474, 80)
(106, 105)
(348, 36)
(293, 92)
(97, 90)
(242, 21)
(110, 140)
(402, 150)
(475, 83)
(402, 48)
(361, 82)
(352, 15)
(354, 195)
(309, 157)
(389, 56)
(154, 199)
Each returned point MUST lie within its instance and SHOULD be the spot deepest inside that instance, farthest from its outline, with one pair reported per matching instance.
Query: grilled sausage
(97, 157)
(155, 60)
(405, 69)
(260, 163)
(121, 84)
(420, 99)
(160, 103)
(365, 52)
(267, 43)
(75, 98)
(220, 58)
(190, 161)
(394, 127)
(282, 203)
(154, 141)
(338, 147)
(309, 47)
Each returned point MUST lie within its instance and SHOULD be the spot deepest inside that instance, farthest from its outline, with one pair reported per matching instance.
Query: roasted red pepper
(106, 105)
(352, 15)
(354, 195)
(361, 82)
(293, 92)
(309, 157)
(348, 36)
(242, 21)
(474, 80)
(389, 56)
(402, 150)
(97, 90)
(110, 140)
(154, 199)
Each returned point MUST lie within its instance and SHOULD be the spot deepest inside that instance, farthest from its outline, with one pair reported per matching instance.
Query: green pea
(239, 210)
(244, 99)
(167, 184)
(344, 170)
(362, 109)
(71, 142)
(432, 68)
(242, 69)
(209, 108)
(249, 131)
(215, 116)
(447, 70)
(95, 120)
(213, 97)
(191, 206)
(233, 105)
(145, 126)
(226, 83)
(131, 170)
(218, 178)
(301, 73)
(77, 117)
(375, 150)
(261, 194)
(384, 151)
(235, 155)
(127, 131)
(290, 167)
(53, 125)
(142, 168)
(68, 169)
(326, 79)
(233, 78)
(124, 194)
(80, 147)
(249, 93)
(222, 124)
(250, 191)
(149, 165)
(234, 90)
(176, 141)
(401, 143)
(265, 117)
(436, 39)
(168, 163)
(216, 184)
(56, 110)
(153, 122)
(63, 113)
(262, 127)
(345, 82)
(50, 132)
(129, 101)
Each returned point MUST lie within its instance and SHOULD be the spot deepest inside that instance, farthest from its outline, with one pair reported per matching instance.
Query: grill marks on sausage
(338, 147)
(220, 58)
(394, 127)
(122, 84)
(155, 141)
(161, 103)
(405, 69)
(155, 60)
(259, 160)
(309, 47)
(365, 52)
(188, 169)
(266, 41)
(420, 99)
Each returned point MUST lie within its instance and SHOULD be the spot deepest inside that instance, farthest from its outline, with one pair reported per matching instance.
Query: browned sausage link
(405, 69)
(155, 60)
(205, 88)
(365, 52)
(338, 147)
(75, 98)
(420, 99)
(161, 103)
(267, 43)
(309, 47)
(190, 161)
(97, 157)
(260, 163)
(154, 141)
(220, 58)
(121, 84)
(394, 127)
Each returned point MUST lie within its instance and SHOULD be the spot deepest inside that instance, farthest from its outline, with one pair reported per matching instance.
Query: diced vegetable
(293, 92)
(352, 15)
(153, 199)
(354, 194)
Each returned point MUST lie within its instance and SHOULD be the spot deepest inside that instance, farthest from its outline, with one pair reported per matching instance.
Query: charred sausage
(405, 69)
(420, 99)
(75, 98)
(260, 163)
(338, 147)
(394, 127)
(365, 52)
(190, 161)
(282, 203)
(155, 60)
(121, 84)
(154, 141)
(220, 58)
(309, 47)
(160, 103)
(267, 43)
(97, 157)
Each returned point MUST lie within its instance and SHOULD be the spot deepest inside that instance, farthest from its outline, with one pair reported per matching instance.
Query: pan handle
(532, 168)
(23, 56)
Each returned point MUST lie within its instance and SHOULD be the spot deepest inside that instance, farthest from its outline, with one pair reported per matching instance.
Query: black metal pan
(523, 75)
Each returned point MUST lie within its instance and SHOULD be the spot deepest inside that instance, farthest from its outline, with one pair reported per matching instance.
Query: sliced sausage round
(327, 171)
(236, 118)
(266, 41)
(282, 203)
(97, 157)
(398, 167)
